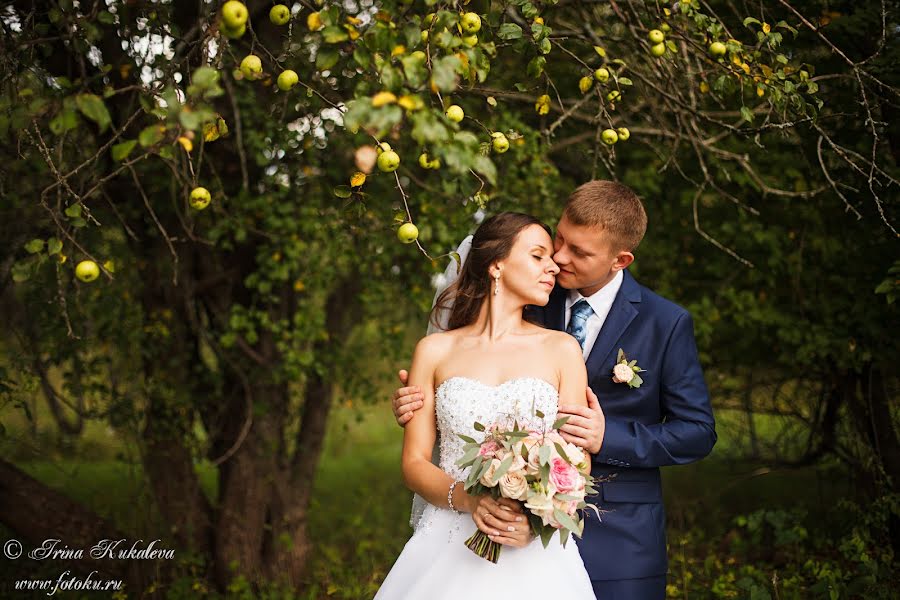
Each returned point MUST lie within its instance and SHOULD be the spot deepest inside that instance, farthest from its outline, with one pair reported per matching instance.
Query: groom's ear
(623, 260)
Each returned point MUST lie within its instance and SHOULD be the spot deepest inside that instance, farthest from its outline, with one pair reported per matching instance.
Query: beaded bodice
(460, 402)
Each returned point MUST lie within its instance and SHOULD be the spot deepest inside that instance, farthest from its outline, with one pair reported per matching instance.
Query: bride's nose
(553, 268)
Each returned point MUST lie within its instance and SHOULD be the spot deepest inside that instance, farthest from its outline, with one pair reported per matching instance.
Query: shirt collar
(601, 298)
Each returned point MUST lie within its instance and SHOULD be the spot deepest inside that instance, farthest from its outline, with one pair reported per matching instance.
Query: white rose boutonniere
(627, 372)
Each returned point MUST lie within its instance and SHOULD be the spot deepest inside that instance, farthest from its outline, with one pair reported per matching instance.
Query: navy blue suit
(666, 421)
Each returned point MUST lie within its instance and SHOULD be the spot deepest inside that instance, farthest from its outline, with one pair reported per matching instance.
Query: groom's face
(585, 257)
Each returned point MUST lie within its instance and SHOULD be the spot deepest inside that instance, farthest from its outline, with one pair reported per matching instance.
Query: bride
(490, 364)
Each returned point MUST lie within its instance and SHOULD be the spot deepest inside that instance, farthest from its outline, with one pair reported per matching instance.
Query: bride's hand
(503, 520)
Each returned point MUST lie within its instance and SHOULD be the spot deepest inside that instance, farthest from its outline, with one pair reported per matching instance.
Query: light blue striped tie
(581, 311)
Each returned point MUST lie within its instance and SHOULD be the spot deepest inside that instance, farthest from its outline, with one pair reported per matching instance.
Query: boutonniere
(627, 372)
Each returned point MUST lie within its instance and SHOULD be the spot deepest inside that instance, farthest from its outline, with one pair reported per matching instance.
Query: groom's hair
(612, 206)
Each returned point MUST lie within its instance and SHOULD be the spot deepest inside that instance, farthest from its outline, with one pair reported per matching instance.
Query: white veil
(442, 282)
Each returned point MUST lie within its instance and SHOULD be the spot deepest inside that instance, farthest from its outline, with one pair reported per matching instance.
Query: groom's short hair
(612, 206)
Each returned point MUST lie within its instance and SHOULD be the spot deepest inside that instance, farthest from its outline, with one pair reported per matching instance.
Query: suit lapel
(623, 311)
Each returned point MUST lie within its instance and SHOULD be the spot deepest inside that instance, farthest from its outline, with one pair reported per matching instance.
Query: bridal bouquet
(549, 475)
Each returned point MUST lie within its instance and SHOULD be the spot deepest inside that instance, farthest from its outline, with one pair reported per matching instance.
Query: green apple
(383, 147)
(388, 161)
(251, 66)
(233, 33)
(455, 113)
(471, 23)
(609, 136)
(408, 233)
(424, 36)
(623, 134)
(234, 14)
(199, 198)
(658, 50)
(665, 28)
(718, 49)
(280, 14)
(656, 36)
(423, 160)
(287, 79)
(470, 40)
(499, 143)
(601, 74)
(614, 96)
(87, 271)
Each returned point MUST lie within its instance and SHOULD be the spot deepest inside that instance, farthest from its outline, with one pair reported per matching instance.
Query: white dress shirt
(601, 302)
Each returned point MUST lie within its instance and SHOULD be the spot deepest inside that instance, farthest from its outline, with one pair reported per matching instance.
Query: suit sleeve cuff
(616, 447)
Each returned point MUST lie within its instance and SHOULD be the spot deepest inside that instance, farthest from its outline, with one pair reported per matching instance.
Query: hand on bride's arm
(503, 520)
(406, 401)
(586, 425)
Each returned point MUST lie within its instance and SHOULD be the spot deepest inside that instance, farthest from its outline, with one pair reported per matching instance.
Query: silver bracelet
(450, 496)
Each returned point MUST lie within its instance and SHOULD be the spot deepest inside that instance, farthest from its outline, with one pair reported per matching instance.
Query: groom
(667, 420)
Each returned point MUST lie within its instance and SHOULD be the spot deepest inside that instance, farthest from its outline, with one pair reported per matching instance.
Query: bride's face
(529, 271)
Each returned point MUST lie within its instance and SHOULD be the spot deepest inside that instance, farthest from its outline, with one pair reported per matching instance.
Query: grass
(360, 506)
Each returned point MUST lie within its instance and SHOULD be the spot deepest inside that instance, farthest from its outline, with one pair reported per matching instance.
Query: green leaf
(484, 165)
(443, 72)
(34, 246)
(73, 211)
(505, 464)
(67, 119)
(327, 58)
(427, 129)
(478, 427)
(750, 20)
(334, 35)
(546, 535)
(624, 81)
(509, 31)
(343, 191)
(106, 17)
(151, 135)
(54, 246)
(21, 271)
(566, 521)
(466, 438)
(205, 77)
(812, 87)
(414, 68)
(747, 114)
(467, 457)
(92, 107)
(121, 150)
(560, 422)
(544, 455)
(561, 452)
(536, 66)
(362, 57)
(189, 119)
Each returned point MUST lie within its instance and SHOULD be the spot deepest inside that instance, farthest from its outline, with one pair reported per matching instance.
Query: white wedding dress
(435, 563)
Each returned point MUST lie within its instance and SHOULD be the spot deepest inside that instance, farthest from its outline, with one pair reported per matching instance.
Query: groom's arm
(688, 430)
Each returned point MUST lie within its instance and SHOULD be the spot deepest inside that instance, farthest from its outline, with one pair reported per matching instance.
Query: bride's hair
(492, 242)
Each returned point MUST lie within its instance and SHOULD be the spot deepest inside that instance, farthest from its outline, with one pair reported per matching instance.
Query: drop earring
(497, 283)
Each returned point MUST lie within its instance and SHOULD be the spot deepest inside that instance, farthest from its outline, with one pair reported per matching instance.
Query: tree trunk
(37, 513)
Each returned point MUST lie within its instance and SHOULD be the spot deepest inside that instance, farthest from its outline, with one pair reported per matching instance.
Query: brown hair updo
(492, 242)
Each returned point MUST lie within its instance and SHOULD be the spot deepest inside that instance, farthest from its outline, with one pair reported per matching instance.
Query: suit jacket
(666, 421)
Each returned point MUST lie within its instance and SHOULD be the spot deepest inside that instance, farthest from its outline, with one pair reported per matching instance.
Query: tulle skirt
(436, 564)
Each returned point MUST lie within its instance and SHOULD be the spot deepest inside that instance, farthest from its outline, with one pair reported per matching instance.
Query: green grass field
(360, 507)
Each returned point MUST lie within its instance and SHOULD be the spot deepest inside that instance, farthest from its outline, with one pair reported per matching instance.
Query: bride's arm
(420, 433)
(572, 376)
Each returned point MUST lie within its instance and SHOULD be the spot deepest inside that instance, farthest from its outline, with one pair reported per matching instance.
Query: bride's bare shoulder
(435, 346)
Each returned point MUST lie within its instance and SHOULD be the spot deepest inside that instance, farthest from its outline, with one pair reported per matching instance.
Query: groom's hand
(407, 400)
(586, 425)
